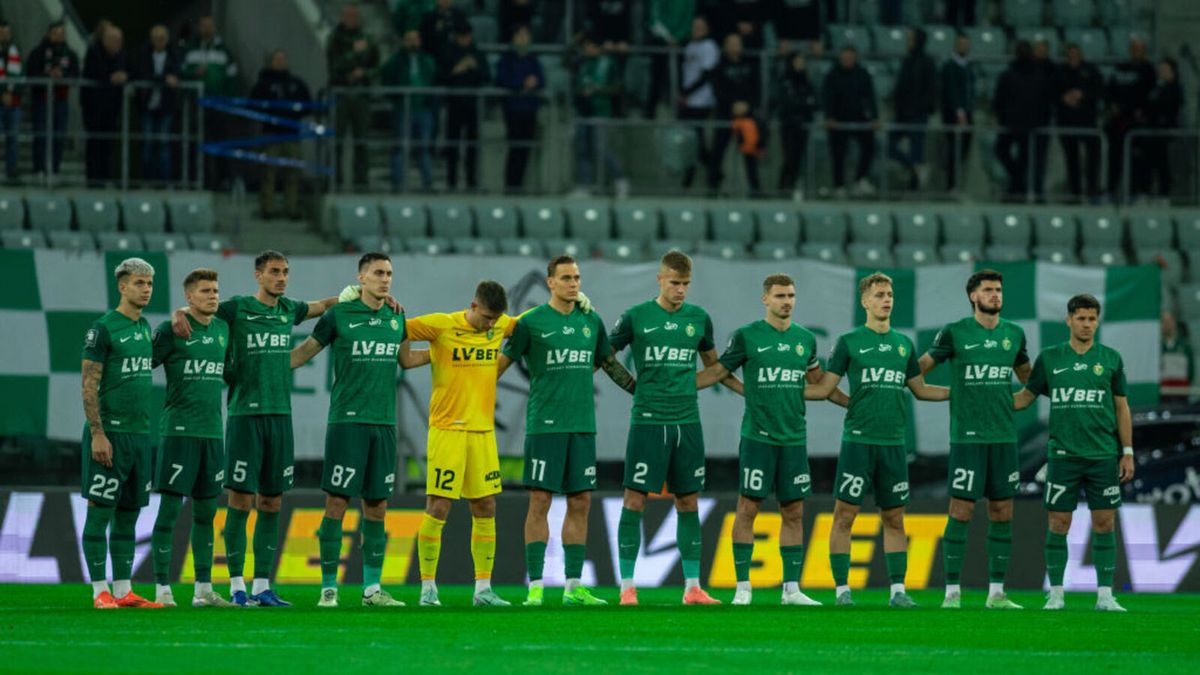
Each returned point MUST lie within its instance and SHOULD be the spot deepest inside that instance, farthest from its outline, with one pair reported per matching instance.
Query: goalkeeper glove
(350, 293)
(583, 303)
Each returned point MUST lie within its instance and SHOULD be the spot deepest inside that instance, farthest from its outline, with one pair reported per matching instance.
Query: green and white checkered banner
(48, 299)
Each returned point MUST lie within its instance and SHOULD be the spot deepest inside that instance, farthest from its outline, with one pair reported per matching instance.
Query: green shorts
(665, 453)
(862, 468)
(125, 485)
(258, 454)
(783, 467)
(561, 463)
(979, 470)
(360, 460)
(189, 466)
(1099, 478)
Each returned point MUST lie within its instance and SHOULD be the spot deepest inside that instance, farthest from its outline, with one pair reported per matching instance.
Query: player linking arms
(1091, 444)
(777, 358)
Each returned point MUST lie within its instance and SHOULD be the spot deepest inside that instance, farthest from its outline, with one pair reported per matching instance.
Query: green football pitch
(53, 629)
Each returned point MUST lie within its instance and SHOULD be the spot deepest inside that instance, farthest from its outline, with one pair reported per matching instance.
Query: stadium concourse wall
(39, 543)
(49, 298)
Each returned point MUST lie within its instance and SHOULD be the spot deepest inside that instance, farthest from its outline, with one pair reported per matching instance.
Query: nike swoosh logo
(971, 346)
(763, 349)
(127, 338)
(252, 317)
(356, 325)
(164, 550)
(1060, 370)
(189, 343)
(1115, 500)
(868, 349)
(650, 330)
(904, 496)
(546, 335)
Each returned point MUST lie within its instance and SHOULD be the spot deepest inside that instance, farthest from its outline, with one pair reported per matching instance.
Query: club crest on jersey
(1098, 369)
(690, 330)
(1006, 344)
(587, 332)
(221, 340)
(799, 350)
(395, 324)
(490, 333)
(283, 319)
(902, 350)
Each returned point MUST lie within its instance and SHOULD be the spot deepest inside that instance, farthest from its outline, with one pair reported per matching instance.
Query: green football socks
(897, 566)
(95, 541)
(742, 557)
(574, 555)
(121, 541)
(687, 537)
(169, 506)
(374, 546)
(1056, 557)
(839, 564)
(329, 539)
(629, 540)
(793, 562)
(203, 513)
(266, 540)
(1104, 557)
(999, 547)
(235, 540)
(954, 547)
(535, 559)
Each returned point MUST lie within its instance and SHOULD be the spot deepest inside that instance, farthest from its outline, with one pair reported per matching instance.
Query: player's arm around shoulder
(1035, 385)
(732, 382)
(322, 335)
(412, 358)
(817, 387)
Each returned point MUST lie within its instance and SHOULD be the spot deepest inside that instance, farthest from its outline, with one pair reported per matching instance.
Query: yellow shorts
(462, 464)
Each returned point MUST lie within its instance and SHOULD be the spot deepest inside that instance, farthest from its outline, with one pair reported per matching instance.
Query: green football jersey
(366, 353)
(1083, 419)
(665, 346)
(561, 352)
(878, 366)
(981, 372)
(774, 364)
(262, 345)
(122, 345)
(195, 369)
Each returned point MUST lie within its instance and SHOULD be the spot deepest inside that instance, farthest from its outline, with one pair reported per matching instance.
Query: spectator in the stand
(696, 99)
(107, 68)
(610, 23)
(1046, 72)
(437, 27)
(795, 103)
(206, 59)
(407, 15)
(748, 135)
(670, 24)
(521, 74)
(353, 59)
(277, 83)
(735, 80)
(512, 15)
(1019, 102)
(797, 25)
(597, 85)
(958, 105)
(1078, 89)
(52, 59)
(851, 114)
(1128, 90)
(1177, 363)
(158, 66)
(1163, 108)
(915, 99)
(10, 98)
(744, 17)
(412, 114)
(960, 13)
(461, 66)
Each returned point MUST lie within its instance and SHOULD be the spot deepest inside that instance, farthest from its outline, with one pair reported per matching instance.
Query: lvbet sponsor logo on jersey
(669, 355)
(203, 367)
(135, 364)
(882, 375)
(558, 357)
(374, 348)
(1076, 395)
(264, 340)
(772, 375)
(983, 373)
(474, 354)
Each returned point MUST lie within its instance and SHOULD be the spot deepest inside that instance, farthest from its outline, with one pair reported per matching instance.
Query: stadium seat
(915, 255)
(12, 212)
(1115, 12)
(774, 250)
(213, 243)
(778, 224)
(732, 224)
(872, 255)
(1154, 230)
(1073, 13)
(988, 42)
(166, 242)
(1100, 229)
(72, 241)
(1189, 302)
(120, 241)
(842, 35)
(377, 242)
(356, 216)
(827, 252)
(1055, 230)
(1103, 256)
(869, 12)
(1005, 253)
(191, 213)
(22, 239)
(428, 245)
(1018, 13)
(962, 226)
(916, 226)
(825, 225)
(890, 41)
(1119, 37)
(1188, 223)
(496, 220)
(450, 220)
(1169, 259)
(636, 78)
(405, 218)
(97, 213)
(883, 78)
(685, 222)
(485, 28)
(593, 221)
(633, 221)
(543, 220)
(1008, 228)
(474, 246)
(869, 225)
(623, 249)
(960, 253)
(1055, 253)
(728, 250)
(48, 212)
(576, 248)
(940, 41)
(1036, 35)
(525, 247)
(1093, 42)
(143, 213)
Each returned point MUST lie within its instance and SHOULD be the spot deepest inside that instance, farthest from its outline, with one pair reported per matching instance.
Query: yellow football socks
(483, 546)
(429, 546)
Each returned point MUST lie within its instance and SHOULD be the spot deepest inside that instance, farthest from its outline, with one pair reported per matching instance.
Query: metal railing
(1150, 151)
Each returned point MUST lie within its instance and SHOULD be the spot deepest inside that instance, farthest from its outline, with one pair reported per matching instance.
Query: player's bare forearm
(839, 398)
(734, 383)
(412, 358)
(731, 382)
(926, 363)
(92, 372)
(711, 375)
(824, 387)
(1124, 421)
(179, 323)
(618, 373)
(1022, 371)
(317, 307)
(503, 363)
(304, 353)
(1023, 399)
(927, 392)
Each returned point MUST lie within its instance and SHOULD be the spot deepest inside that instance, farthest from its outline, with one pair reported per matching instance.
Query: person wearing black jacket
(735, 80)
(437, 27)
(1045, 71)
(52, 58)
(157, 65)
(958, 102)
(461, 66)
(795, 104)
(610, 22)
(277, 83)
(1020, 101)
(1163, 106)
(1128, 89)
(1078, 87)
(915, 98)
(848, 94)
(107, 68)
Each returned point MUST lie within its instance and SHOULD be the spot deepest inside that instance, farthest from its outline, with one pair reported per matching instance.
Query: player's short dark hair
(976, 280)
(677, 261)
(552, 267)
(367, 258)
(267, 256)
(197, 275)
(777, 280)
(870, 280)
(491, 295)
(1082, 301)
